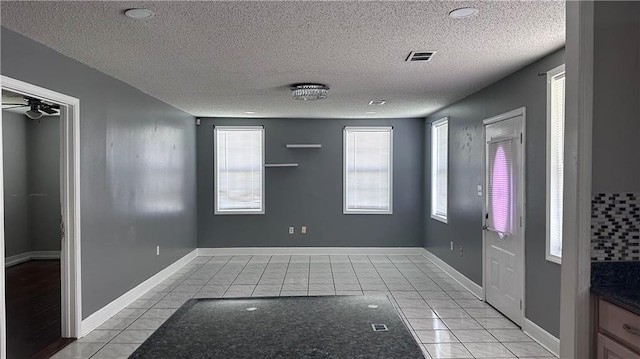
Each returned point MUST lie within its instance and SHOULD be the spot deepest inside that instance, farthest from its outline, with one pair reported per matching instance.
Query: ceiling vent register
(423, 56)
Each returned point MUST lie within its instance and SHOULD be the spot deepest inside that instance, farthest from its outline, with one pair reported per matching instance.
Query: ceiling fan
(36, 106)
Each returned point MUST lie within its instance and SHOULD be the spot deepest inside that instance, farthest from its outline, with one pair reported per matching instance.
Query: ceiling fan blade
(12, 105)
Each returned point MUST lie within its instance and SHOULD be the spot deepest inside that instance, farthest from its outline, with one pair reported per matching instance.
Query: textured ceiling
(225, 58)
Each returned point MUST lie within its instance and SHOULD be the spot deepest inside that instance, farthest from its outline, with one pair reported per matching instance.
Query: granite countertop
(618, 283)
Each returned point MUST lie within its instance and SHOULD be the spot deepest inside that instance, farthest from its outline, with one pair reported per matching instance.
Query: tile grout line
(218, 271)
(309, 277)
(261, 274)
(284, 276)
(379, 275)
(237, 275)
(407, 323)
(333, 278)
(355, 274)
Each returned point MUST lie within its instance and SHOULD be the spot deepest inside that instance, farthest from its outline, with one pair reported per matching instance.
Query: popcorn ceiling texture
(216, 58)
(615, 227)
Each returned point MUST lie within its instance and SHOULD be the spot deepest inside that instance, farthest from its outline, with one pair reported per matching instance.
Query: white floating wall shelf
(304, 145)
(281, 165)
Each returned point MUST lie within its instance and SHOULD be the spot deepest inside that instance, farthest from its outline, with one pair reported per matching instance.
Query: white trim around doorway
(70, 198)
(576, 318)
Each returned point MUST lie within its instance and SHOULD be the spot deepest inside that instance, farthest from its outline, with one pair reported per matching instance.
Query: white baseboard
(27, 256)
(274, 251)
(541, 336)
(470, 285)
(17, 259)
(102, 315)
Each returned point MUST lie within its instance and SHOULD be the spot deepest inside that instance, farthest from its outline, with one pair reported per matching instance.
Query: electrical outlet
(461, 251)
(157, 250)
(451, 245)
(303, 230)
(291, 230)
(480, 190)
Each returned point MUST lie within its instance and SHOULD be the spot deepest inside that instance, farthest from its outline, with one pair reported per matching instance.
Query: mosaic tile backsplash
(615, 227)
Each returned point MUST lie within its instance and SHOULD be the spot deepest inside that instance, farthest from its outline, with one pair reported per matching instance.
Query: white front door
(504, 214)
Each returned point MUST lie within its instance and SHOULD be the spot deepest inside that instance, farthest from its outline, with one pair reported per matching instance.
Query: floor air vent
(420, 56)
(379, 327)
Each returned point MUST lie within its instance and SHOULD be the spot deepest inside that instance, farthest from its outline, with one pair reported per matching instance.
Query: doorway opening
(504, 214)
(40, 308)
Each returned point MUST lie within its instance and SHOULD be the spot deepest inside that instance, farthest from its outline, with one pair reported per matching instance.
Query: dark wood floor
(33, 309)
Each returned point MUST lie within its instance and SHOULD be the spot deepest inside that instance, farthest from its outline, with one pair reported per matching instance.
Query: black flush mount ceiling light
(309, 92)
(37, 107)
(34, 113)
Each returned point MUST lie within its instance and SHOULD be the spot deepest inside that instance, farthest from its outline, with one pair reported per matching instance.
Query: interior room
(302, 179)
(30, 148)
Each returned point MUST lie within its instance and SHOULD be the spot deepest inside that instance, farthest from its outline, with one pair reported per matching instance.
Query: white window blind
(500, 187)
(239, 170)
(368, 170)
(439, 168)
(555, 161)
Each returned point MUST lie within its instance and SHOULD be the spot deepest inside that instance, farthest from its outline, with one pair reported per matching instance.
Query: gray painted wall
(616, 97)
(32, 183)
(523, 88)
(311, 194)
(14, 155)
(137, 171)
(43, 178)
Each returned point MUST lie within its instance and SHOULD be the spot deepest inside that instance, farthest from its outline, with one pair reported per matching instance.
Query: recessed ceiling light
(372, 306)
(464, 12)
(377, 102)
(139, 14)
(370, 113)
(250, 112)
(251, 309)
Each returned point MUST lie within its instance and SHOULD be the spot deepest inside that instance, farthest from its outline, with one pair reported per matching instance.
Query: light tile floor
(447, 320)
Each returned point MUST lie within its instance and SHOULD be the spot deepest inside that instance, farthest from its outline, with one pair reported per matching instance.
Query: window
(555, 162)
(239, 170)
(368, 172)
(439, 168)
(500, 187)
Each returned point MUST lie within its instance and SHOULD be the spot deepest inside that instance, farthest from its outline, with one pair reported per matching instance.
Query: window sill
(554, 259)
(367, 212)
(250, 213)
(440, 218)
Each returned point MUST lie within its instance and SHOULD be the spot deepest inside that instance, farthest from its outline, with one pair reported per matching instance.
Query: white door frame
(575, 298)
(70, 198)
(522, 111)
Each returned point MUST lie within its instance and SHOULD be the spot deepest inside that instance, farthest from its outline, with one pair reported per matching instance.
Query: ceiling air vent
(377, 102)
(420, 56)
